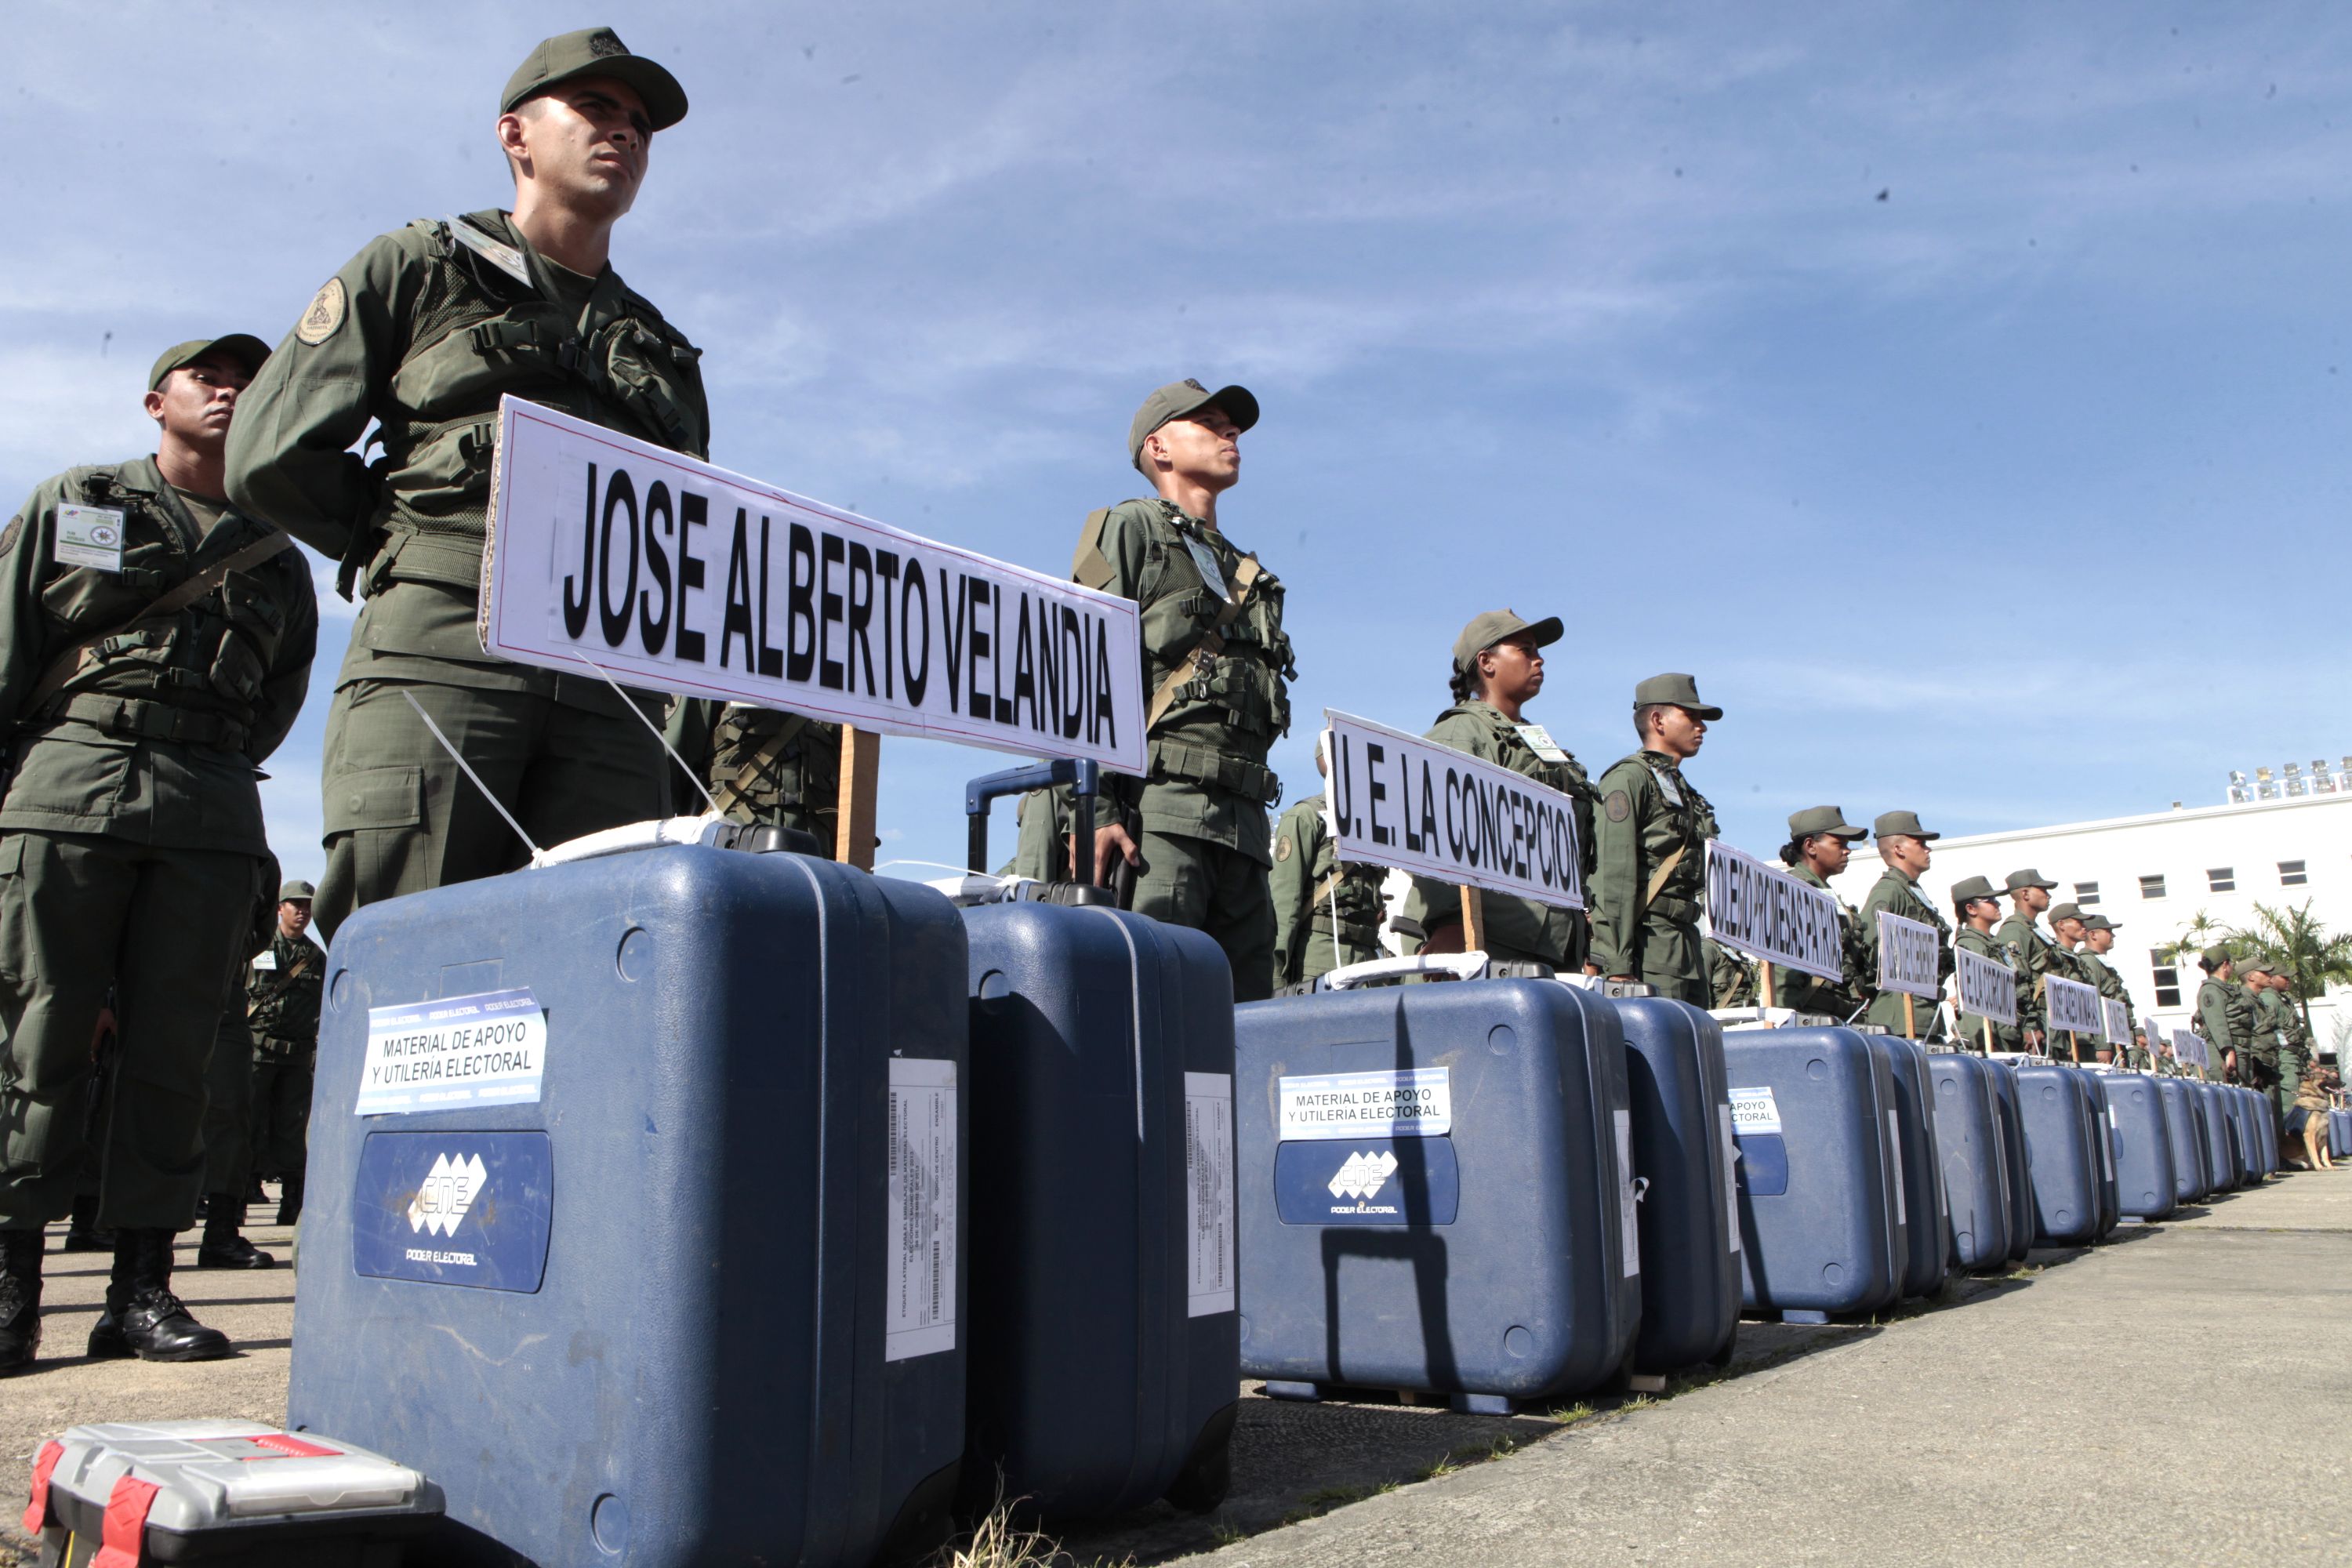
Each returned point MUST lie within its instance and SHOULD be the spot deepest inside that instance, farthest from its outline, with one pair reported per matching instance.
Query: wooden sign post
(861, 764)
(1474, 921)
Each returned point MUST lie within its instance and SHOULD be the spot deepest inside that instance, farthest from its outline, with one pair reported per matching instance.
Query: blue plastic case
(2146, 1181)
(687, 1287)
(1683, 1153)
(1928, 1232)
(2055, 1108)
(1969, 1139)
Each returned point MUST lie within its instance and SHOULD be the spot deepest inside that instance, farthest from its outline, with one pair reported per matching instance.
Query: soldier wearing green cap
(2280, 1016)
(1216, 674)
(2225, 1016)
(2098, 938)
(1979, 908)
(282, 993)
(1327, 911)
(2034, 957)
(1649, 878)
(421, 333)
(1820, 844)
(2258, 1055)
(155, 644)
(1498, 669)
(1902, 847)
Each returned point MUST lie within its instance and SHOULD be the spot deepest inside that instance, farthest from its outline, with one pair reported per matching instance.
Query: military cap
(296, 892)
(2067, 912)
(1179, 398)
(1900, 824)
(2252, 965)
(1677, 692)
(2028, 878)
(1968, 890)
(246, 346)
(1822, 819)
(596, 51)
(2215, 956)
(1485, 631)
(2100, 922)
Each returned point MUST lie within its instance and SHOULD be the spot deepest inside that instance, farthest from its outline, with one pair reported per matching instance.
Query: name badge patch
(1205, 559)
(1540, 742)
(90, 536)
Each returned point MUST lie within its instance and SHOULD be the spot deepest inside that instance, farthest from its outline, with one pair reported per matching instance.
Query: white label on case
(1408, 1103)
(1730, 1173)
(920, 1318)
(1754, 1110)
(1628, 1200)
(1209, 1192)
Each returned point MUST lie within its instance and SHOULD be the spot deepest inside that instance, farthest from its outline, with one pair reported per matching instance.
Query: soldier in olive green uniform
(1820, 842)
(2067, 931)
(281, 1003)
(228, 1140)
(1042, 851)
(760, 765)
(1216, 668)
(1649, 877)
(2294, 1039)
(1979, 908)
(2025, 950)
(423, 331)
(1498, 669)
(155, 646)
(2224, 1017)
(1732, 977)
(2098, 939)
(1326, 913)
(2261, 1048)
(1903, 846)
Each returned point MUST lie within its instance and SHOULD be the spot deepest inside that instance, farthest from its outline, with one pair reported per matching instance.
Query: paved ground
(2083, 1409)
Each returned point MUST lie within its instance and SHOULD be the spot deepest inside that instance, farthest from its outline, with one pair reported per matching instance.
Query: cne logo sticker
(1364, 1174)
(446, 1194)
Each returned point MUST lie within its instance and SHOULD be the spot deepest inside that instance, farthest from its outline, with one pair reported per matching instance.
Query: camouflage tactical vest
(1245, 686)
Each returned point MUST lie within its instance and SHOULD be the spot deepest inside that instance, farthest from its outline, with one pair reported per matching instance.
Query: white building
(2154, 875)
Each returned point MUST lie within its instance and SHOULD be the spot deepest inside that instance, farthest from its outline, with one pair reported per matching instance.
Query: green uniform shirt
(1732, 977)
(1841, 999)
(282, 990)
(2224, 1018)
(1899, 895)
(2034, 956)
(159, 735)
(1649, 814)
(1308, 882)
(421, 335)
(1548, 932)
(1208, 777)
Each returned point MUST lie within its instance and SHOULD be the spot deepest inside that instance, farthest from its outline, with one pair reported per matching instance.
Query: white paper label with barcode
(1208, 1188)
(1730, 1173)
(1894, 1156)
(1628, 1201)
(922, 1314)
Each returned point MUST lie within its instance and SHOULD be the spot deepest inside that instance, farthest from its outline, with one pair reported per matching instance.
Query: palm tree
(2288, 943)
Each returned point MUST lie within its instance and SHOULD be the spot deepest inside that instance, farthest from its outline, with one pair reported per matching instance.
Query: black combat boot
(253, 1193)
(142, 1318)
(20, 1298)
(289, 1199)
(82, 1233)
(224, 1245)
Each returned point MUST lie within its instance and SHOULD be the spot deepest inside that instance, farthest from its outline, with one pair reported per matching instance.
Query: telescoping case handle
(1460, 965)
(1082, 775)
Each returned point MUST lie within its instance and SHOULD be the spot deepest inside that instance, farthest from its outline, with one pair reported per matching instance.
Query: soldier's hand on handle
(1110, 837)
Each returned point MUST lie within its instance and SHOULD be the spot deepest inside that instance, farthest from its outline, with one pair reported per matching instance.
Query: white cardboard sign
(1396, 800)
(1987, 989)
(2190, 1046)
(1766, 913)
(2117, 1019)
(2073, 1007)
(1907, 954)
(678, 576)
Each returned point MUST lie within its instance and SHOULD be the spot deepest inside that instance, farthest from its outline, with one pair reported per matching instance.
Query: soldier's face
(1513, 669)
(1679, 732)
(1204, 446)
(2032, 901)
(1827, 853)
(294, 916)
(2101, 940)
(587, 141)
(1981, 909)
(198, 401)
(1904, 853)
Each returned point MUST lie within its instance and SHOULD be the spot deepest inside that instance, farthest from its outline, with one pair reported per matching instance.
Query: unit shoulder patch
(325, 314)
(1619, 805)
(8, 535)
(1282, 849)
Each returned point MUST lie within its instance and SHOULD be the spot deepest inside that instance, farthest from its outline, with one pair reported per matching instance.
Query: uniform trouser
(80, 912)
(282, 1071)
(1926, 1018)
(1214, 888)
(228, 1108)
(1674, 961)
(401, 816)
(2292, 1064)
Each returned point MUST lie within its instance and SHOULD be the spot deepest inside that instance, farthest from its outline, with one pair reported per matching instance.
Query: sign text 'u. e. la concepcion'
(1417, 805)
(677, 577)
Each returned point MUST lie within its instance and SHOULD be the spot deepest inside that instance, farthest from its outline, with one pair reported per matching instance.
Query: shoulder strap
(1211, 643)
(731, 789)
(1090, 567)
(1658, 877)
(68, 664)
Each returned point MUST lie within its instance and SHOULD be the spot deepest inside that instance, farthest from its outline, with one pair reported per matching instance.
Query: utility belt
(1676, 911)
(1176, 761)
(280, 1050)
(406, 553)
(147, 719)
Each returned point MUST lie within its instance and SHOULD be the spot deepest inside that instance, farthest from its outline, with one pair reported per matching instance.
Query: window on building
(2292, 874)
(2151, 886)
(2167, 978)
(2086, 893)
(2222, 878)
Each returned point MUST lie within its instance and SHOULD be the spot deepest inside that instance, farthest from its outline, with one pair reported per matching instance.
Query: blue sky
(1959, 392)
